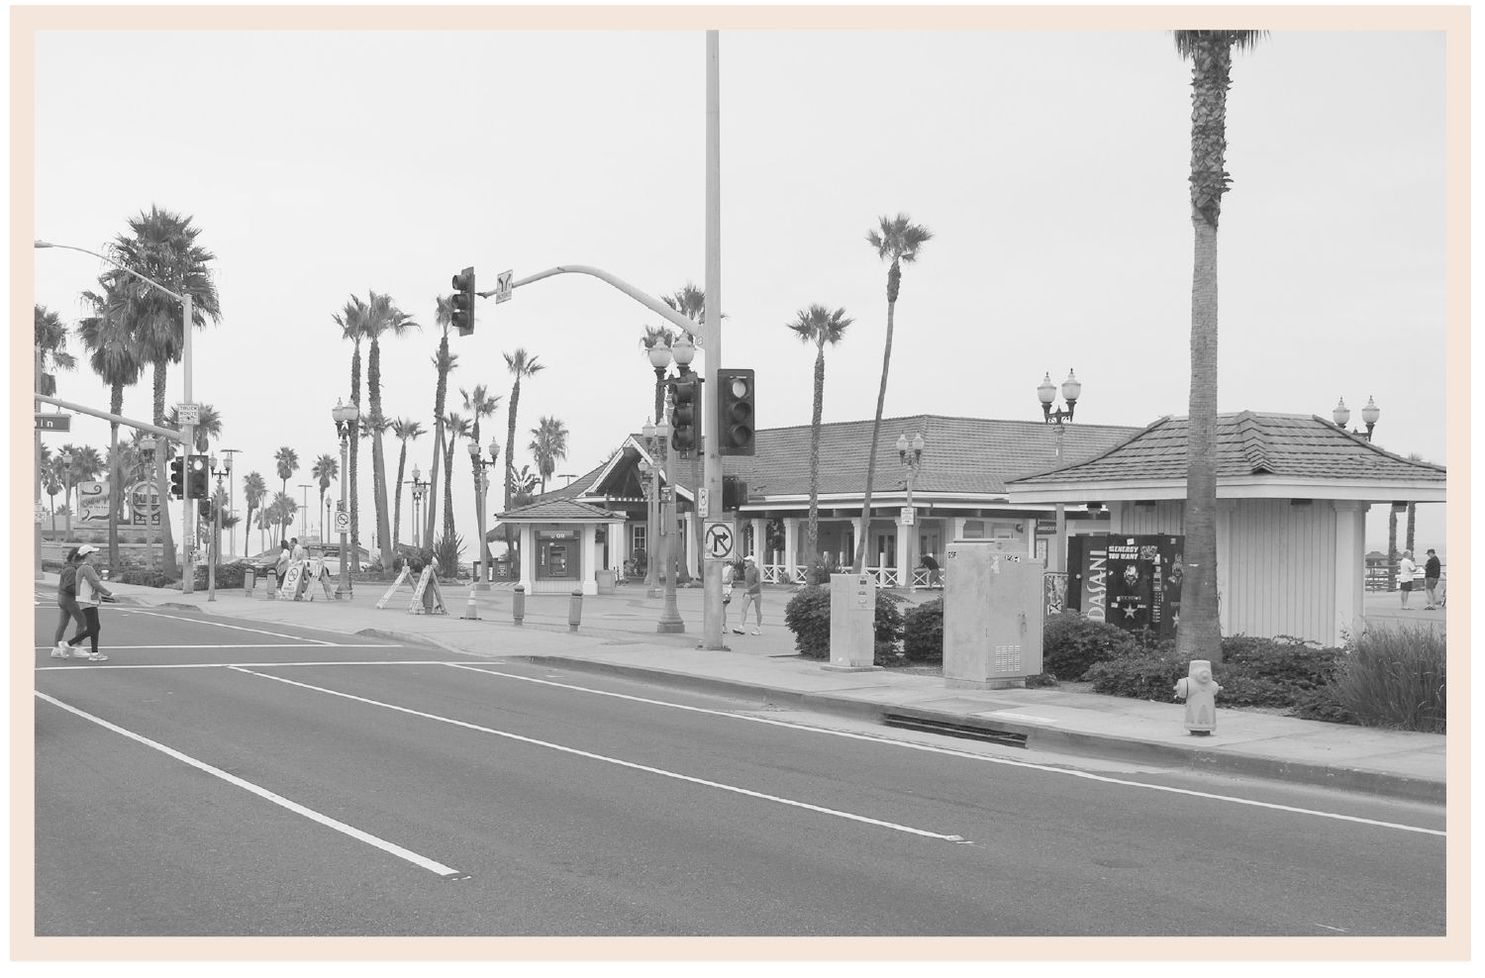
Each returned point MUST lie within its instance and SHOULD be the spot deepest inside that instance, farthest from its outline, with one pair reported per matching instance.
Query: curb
(1038, 737)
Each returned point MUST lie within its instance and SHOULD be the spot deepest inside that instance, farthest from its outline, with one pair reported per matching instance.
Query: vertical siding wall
(1281, 569)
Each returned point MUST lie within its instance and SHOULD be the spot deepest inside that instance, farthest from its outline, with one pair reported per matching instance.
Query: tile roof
(548, 510)
(1249, 443)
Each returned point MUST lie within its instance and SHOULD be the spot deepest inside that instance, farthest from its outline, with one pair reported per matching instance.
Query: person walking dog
(90, 590)
(67, 603)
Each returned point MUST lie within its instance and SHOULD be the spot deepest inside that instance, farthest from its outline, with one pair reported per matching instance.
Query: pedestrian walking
(934, 579)
(282, 567)
(1431, 569)
(1405, 571)
(730, 577)
(67, 605)
(752, 594)
(90, 590)
(299, 553)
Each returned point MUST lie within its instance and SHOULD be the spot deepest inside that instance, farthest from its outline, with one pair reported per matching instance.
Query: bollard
(518, 604)
(270, 579)
(249, 581)
(575, 610)
(1199, 691)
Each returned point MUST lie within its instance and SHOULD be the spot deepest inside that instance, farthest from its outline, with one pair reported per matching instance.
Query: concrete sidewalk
(618, 636)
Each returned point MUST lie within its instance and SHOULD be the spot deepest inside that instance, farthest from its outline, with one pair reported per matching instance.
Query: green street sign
(53, 422)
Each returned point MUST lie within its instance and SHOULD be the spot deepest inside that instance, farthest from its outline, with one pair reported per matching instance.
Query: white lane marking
(298, 809)
(222, 624)
(1086, 775)
(276, 645)
(612, 760)
(249, 665)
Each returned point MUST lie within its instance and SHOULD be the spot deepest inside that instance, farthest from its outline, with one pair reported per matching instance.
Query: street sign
(53, 422)
(907, 516)
(718, 540)
(342, 521)
(188, 414)
(502, 286)
(704, 499)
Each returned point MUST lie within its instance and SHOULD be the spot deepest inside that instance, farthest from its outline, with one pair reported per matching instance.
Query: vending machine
(992, 616)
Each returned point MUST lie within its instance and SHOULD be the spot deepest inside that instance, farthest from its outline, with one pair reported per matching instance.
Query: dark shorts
(1430, 582)
(1405, 586)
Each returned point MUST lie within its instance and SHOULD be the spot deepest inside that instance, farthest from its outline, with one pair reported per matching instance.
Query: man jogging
(90, 590)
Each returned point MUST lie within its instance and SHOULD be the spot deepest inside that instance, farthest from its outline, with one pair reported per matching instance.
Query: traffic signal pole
(711, 608)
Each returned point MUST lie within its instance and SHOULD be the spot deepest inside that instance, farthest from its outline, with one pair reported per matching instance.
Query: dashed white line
(896, 827)
(391, 848)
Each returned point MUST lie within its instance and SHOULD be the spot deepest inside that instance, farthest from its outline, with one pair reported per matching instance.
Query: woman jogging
(67, 602)
(90, 590)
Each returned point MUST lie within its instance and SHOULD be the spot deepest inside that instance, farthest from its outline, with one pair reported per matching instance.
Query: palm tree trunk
(115, 477)
(1198, 631)
(448, 488)
(1412, 516)
(168, 565)
(813, 535)
(893, 276)
(440, 394)
(397, 502)
(378, 459)
(510, 468)
(355, 439)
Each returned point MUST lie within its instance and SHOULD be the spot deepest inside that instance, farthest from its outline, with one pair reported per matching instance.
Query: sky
(1050, 166)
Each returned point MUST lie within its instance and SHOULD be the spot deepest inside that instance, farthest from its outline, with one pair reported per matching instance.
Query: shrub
(446, 552)
(147, 578)
(808, 616)
(1143, 675)
(1394, 677)
(1072, 643)
(923, 632)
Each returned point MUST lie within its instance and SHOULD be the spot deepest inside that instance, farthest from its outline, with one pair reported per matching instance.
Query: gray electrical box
(853, 609)
(992, 616)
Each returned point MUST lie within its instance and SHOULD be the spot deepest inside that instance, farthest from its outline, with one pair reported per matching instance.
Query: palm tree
(818, 325)
(404, 430)
(207, 429)
(85, 466)
(548, 446)
(53, 474)
(326, 468)
(455, 427)
(351, 321)
(1198, 631)
(443, 363)
(286, 461)
(51, 344)
(383, 319)
(111, 354)
(253, 490)
(286, 509)
(479, 404)
(898, 239)
(521, 364)
(161, 245)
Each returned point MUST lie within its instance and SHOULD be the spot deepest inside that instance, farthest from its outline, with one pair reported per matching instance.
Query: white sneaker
(96, 657)
(757, 631)
(61, 651)
(737, 631)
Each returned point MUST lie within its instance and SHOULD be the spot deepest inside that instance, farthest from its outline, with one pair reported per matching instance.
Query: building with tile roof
(1292, 491)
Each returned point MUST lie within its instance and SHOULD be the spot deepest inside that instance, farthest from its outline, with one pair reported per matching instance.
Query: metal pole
(670, 615)
(1059, 563)
(711, 627)
(911, 530)
(343, 592)
(188, 567)
(37, 476)
(482, 579)
(216, 545)
(652, 556)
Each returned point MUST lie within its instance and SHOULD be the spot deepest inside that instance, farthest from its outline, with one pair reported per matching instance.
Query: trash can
(606, 581)
(476, 571)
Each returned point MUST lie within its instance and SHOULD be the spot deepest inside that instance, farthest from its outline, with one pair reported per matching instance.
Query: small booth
(561, 546)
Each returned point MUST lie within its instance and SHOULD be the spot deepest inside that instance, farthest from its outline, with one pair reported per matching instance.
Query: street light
(482, 485)
(66, 458)
(188, 432)
(216, 526)
(1046, 392)
(304, 509)
(345, 416)
(152, 499)
(1369, 416)
(910, 454)
(227, 454)
(419, 490)
(670, 616)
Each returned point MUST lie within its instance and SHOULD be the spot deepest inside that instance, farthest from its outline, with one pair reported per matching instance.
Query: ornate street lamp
(1046, 392)
(152, 499)
(910, 454)
(346, 416)
(419, 490)
(482, 485)
(1369, 416)
(670, 616)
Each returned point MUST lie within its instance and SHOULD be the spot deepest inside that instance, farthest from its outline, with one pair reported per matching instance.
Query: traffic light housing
(203, 507)
(197, 471)
(683, 414)
(463, 301)
(178, 478)
(735, 411)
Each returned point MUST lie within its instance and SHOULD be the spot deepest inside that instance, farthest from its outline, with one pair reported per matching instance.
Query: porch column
(1350, 569)
(589, 579)
(791, 546)
(956, 530)
(618, 544)
(904, 572)
(693, 542)
(528, 557)
(1226, 514)
(760, 540)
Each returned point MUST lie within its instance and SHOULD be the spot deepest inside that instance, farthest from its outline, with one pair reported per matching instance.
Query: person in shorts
(1431, 569)
(1405, 571)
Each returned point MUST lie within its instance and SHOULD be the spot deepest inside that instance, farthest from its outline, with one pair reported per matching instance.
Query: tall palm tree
(455, 427)
(112, 355)
(161, 245)
(818, 325)
(51, 343)
(444, 362)
(352, 320)
(287, 509)
(383, 319)
(548, 446)
(898, 239)
(405, 430)
(479, 404)
(253, 490)
(326, 468)
(1198, 631)
(521, 364)
(286, 461)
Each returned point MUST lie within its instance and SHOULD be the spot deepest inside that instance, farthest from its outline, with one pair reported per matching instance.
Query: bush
(446, 553)
(1143, 675)
(1394, 677)
(808, 616)
(1072, 643)
(147, 578)
(923, 632)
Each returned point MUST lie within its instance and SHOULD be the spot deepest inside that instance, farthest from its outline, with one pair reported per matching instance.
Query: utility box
(992, 616)
(853, 612)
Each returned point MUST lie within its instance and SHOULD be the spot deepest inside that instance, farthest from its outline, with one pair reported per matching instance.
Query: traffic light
(464, 302)
(735, 411)
(734, 493)
(196, 473)
(203, 507)
(683, 414)
(177, 478)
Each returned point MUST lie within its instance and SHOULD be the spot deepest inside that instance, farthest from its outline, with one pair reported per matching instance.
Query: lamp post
(227, 454)
(345, 416)
(1369, 416)
(216, 527)
(649, 487)
(152, 499)
(910, 454)
(66, 458)
(1046, 392)
(482, 485)
(304, 510)
(419, 490)
(670, 616)
(188, 431)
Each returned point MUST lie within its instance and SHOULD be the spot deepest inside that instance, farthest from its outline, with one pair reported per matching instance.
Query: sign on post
(718, 540)
(502, 286)
(342, 522)
(188, 414)
(52, 421)
(907, 516)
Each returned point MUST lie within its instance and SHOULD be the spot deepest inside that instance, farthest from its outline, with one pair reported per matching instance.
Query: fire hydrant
(1199, 691)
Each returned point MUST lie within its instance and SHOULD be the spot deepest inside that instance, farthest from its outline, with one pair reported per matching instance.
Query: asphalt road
(226, 778)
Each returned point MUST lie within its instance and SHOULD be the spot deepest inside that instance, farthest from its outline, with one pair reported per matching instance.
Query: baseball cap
(86, 549)
(751, 558)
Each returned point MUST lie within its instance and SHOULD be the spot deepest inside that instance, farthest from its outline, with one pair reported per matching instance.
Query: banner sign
(92, 504)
